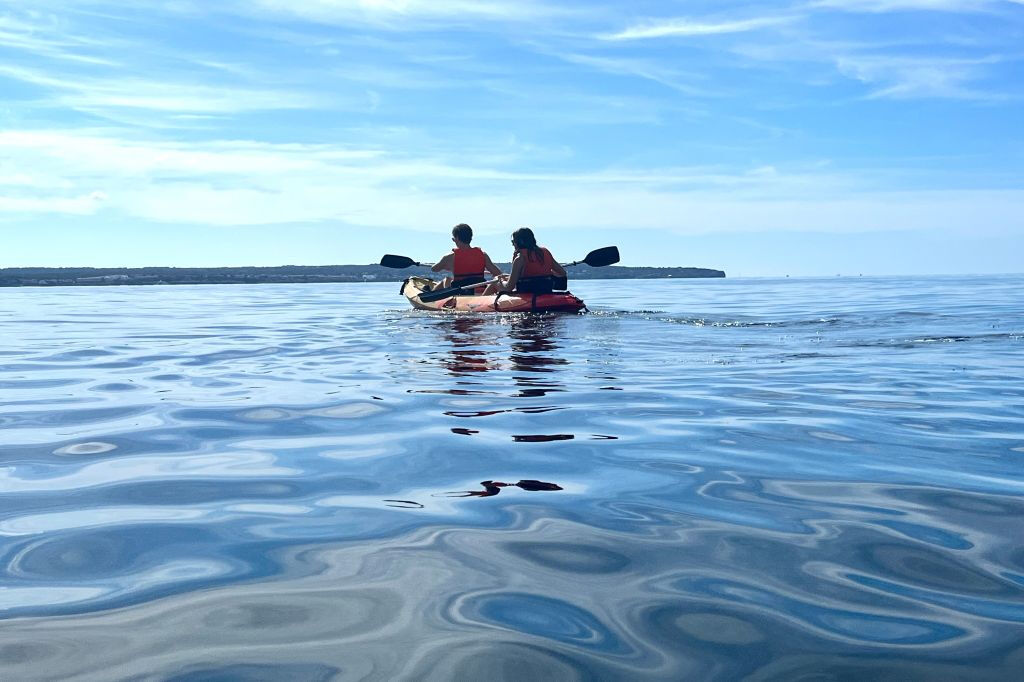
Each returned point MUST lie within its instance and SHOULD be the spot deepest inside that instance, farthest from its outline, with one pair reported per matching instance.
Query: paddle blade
(606, 256)
(431, 296)
(437, 295)
(399, 262)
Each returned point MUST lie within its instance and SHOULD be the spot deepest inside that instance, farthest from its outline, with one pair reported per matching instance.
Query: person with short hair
(534, 269)
(466, 263)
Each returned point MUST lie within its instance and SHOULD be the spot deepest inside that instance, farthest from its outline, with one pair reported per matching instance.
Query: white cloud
(664, 28)
(919, 66)
(238, 183)
(881, 6)
(912, 77)
(48, 38)
(20, 179)
(496, 88)
(646, 69)
(76, 205)
(97, 155)
(165, 96)
(397, 13)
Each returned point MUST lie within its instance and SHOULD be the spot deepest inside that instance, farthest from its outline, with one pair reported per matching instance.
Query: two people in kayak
(534, 269)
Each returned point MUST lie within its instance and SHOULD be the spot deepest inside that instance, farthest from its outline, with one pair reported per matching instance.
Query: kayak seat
(464, 281)
(541, 285)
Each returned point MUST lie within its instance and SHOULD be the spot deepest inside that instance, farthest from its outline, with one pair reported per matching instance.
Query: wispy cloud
(256, 183)
(402, 13)
(665, 28)
(97, 93)
(895, 66)
(881, 6)
(47, 39)
(86, 204)
(642, 68)
(566, 113)
(898, 77)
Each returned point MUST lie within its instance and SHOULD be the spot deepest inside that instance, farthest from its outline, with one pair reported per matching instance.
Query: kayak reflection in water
(466, 336)
(492, 488)
(533, 267)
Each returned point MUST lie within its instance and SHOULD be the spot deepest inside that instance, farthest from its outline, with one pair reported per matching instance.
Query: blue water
(700, 479)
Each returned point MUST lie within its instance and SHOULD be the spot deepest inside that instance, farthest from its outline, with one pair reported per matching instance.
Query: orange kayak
(559, 301)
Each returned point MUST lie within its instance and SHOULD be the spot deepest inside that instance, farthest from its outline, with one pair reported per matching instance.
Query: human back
(466, 262)
(534, 269)
(537, 261)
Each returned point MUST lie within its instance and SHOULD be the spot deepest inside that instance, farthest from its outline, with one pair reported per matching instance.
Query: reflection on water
(492, 488)
(698, 480)
(534, 346)
(463, 335)
(469, 347)
(541, 438)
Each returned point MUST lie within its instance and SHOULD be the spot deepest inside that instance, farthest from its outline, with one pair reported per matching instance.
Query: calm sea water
(702, 479)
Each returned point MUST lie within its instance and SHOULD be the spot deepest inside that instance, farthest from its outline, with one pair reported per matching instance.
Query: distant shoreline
(287, 274)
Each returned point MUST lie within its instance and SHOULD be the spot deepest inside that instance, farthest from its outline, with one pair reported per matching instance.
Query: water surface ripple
(704, 479)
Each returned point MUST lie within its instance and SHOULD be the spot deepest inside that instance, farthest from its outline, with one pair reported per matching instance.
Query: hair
(523, 239)
(463, 232)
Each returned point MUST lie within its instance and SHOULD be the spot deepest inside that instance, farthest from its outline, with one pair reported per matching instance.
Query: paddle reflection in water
(492, 488)
(537, 364)
(487, 361)
(489, 355)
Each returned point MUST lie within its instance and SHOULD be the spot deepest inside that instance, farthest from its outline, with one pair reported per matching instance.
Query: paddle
(400, 262)
(430, 296)
(599, 257)
(595, 259)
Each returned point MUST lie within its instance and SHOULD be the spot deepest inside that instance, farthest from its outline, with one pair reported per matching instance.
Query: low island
(48, 277)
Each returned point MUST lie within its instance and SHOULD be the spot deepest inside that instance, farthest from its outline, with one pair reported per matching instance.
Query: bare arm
(557, 269)
(445, 263)
(513, 277)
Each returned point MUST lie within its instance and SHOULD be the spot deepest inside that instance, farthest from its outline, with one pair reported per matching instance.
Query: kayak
(559, 301)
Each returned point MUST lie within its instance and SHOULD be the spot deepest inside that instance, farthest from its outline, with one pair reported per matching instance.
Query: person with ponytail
(534, 269)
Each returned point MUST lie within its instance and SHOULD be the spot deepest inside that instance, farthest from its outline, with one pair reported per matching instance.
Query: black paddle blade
(399, 262)
(606, 256)
(438, 294)
(431, 296)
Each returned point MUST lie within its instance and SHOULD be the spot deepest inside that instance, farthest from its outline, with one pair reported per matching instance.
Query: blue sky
(804, 138)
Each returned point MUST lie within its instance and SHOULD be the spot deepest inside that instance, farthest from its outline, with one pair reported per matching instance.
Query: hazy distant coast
(26, 277)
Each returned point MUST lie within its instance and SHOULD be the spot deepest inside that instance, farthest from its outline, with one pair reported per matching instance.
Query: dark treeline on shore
(16, 277)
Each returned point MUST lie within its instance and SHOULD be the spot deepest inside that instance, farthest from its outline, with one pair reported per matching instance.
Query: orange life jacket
(534, 266)
(469, 262)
